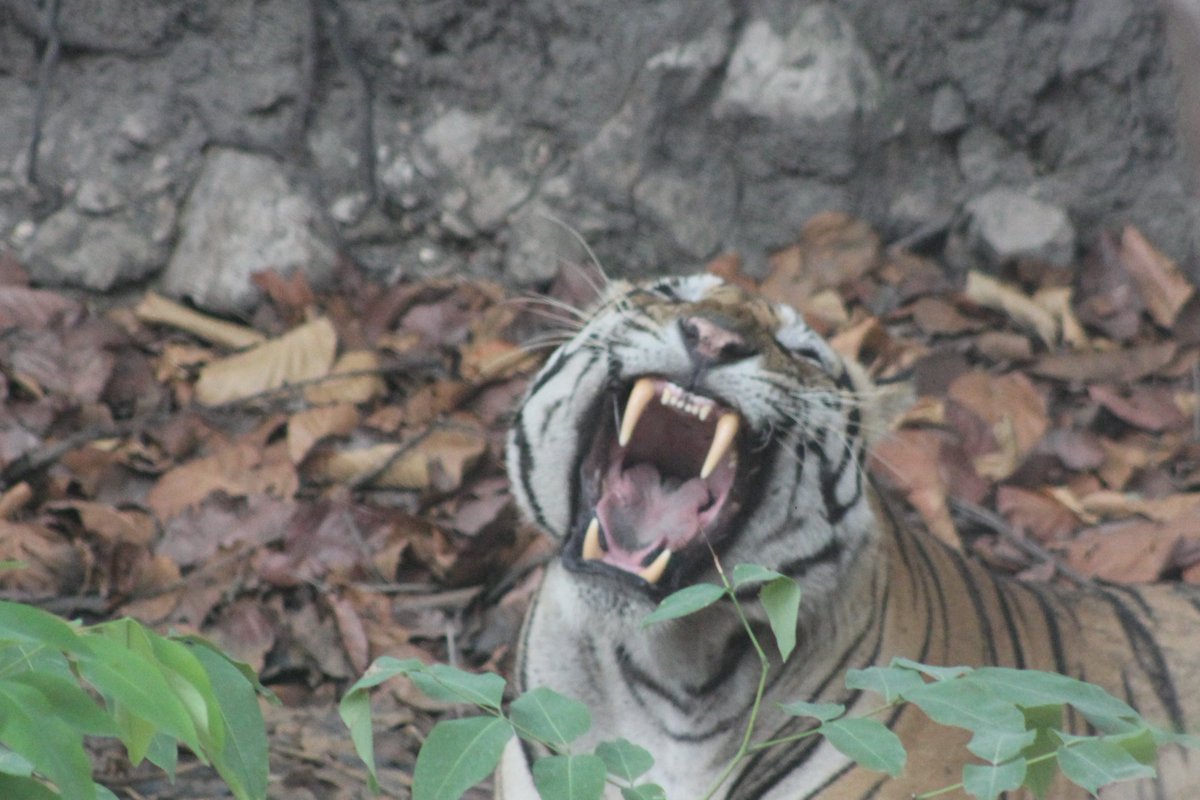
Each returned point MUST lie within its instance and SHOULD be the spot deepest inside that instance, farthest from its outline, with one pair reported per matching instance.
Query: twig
(366, 121)
(33, 462)
(997, 525)
(44, 79)
(294, 140)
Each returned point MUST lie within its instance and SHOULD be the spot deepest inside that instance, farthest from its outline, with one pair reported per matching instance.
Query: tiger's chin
(664, 478)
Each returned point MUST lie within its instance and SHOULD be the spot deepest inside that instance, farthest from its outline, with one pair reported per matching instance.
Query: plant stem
(765, 664)
(955, 787)
(798, 736)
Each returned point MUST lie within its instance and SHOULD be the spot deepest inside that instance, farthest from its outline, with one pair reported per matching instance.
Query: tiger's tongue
(639, 508)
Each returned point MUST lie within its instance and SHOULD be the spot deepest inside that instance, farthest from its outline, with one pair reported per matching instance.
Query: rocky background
(187, 144)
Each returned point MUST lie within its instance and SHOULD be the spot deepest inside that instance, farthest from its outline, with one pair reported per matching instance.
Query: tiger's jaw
(660, 485)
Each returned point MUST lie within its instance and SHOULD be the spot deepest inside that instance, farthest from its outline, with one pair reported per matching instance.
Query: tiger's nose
(710, 342)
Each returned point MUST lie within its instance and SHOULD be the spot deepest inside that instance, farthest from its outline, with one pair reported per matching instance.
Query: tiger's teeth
(654, 572)
(727, 428)
(639, 398)
(591, 542)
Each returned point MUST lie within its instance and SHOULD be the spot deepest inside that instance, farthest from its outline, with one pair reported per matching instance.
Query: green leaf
(644, 791)
(937, 673)
(242, 759)
(29, 624)
(192, 686)
(68, 702)
(988, 782)
(868, 742)
(20, 657)
(457, 755)
(891, 682)
(781, 600)
(139, 688)
(996, 745)
(1044, 720)
(549, 717)
(355, 711)
(686, 601)
(1095, 763)
(625, 759)
(382, 669)
(744, 574)
(29, 727)
(18, 788)
(569, 777)
(163, 752)
(443, 682)
(1028, 688)
(822, 711)
(963, 704)
(14, 763)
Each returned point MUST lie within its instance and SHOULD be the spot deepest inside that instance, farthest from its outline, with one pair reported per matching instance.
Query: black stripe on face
(831, 475)
(525, 473)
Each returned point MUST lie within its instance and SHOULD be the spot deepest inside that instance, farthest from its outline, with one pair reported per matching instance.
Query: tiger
(689, 418)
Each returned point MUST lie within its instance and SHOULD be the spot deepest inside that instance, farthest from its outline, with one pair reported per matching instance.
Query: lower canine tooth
(591, 542)
(727, 428)
(654, 572)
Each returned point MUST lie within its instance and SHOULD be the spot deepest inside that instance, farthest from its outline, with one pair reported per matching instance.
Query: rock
(816, 71)
(98, 253)
(243, 216)
(1006, 224)
(949, 111)
(986, 158)
(697, 211)
(1094, 30)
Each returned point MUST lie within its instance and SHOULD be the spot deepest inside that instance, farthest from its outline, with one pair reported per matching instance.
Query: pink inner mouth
(651, 493)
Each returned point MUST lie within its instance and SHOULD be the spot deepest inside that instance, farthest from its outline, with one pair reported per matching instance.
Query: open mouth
(659, 485)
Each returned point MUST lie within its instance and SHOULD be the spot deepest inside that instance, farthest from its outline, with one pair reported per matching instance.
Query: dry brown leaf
(1159, 281)
(112, 525)
(1038, 513)
(1130, 551)
(997, 346)
(437, 461)
(27, 309)
(491, 359)
(14, 499)
(1056, 300)
(238, 469)
(1113, 366)
(302, 354)
(1010, 404)
(911, 460)
(991, 293)
(1116, 505)
(361, 388)
(155, 308)
(1149, 408)
(834, 249)
(306, 428)
(938, 317)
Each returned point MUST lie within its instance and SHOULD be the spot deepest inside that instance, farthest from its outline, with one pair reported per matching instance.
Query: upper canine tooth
(727, 428)
(592, 550)
(654, 572)
(639, 398)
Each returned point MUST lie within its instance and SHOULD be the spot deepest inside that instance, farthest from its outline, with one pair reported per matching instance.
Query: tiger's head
(688, 417)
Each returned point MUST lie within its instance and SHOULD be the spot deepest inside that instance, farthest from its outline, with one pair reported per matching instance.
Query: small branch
(45, 77)
(345, 53)
(997, 525)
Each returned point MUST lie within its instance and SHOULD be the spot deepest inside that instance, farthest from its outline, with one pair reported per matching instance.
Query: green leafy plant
(61, 682)
(1014, 716)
